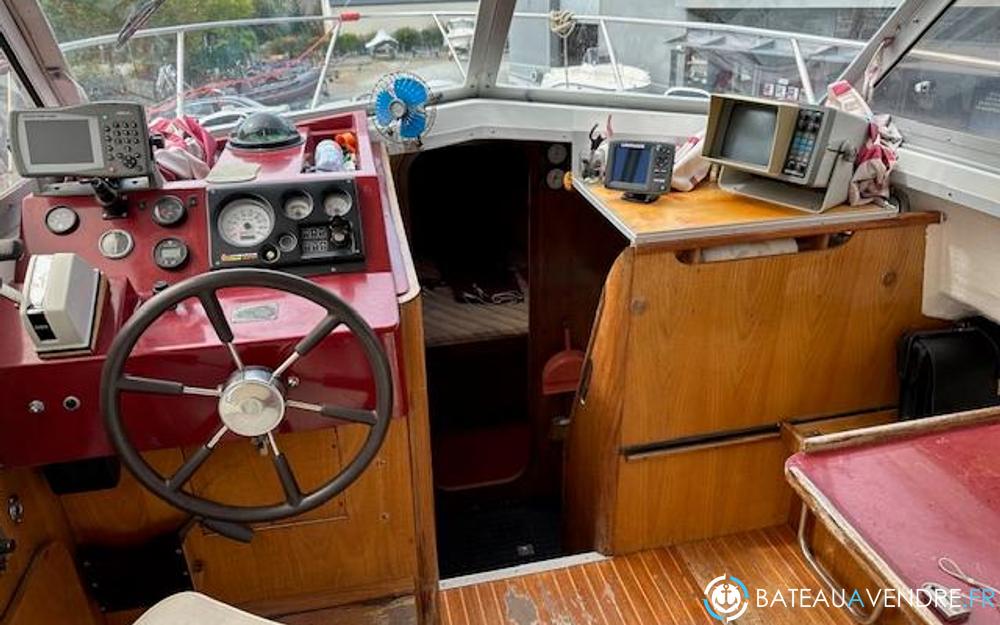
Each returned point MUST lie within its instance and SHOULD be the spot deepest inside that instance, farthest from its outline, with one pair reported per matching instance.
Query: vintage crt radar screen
(102, 140)
(797, 155)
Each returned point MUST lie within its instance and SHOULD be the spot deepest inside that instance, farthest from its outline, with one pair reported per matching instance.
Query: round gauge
(115, 244)
(298, 206)
(287, 242)
(337, 203)
(555, 178)
(61, 220)
(169, 210)
(557, 153)
(170, 254)
(246, 222)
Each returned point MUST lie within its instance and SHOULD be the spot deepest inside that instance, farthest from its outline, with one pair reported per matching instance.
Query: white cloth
(191, 608)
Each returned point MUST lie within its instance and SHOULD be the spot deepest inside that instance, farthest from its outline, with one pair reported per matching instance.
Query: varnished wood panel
(693, 493)
(50, 592)
(237, 474)
(796, 433)
(426, 582)
(705, 207)
(43, 523)
(367, 553)
(729, 345)
(592, 445)
(661, 586)
(126, 514)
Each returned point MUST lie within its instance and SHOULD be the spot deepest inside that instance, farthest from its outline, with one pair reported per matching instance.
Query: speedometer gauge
(246, 222)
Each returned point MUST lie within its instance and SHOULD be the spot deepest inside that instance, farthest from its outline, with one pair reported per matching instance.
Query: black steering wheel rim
(204, 287)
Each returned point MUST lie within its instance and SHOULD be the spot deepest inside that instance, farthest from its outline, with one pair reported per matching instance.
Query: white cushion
(192, 608)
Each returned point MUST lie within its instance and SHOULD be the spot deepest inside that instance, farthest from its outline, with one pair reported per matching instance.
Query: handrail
(795, 39)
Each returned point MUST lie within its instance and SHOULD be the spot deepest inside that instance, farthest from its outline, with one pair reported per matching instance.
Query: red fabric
(920, 499)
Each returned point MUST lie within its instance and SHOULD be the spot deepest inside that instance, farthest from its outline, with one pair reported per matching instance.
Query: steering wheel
(252, 401)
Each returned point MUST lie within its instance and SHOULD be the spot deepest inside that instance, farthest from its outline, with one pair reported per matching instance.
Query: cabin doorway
(510, 271)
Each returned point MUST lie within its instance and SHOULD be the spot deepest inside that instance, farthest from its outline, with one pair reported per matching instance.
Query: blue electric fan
(402, 111)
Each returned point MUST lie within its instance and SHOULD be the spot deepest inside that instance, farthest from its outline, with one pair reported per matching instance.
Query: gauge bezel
(340, 192)
(167, 223)
(297, 194)
(118, 255)
(72, 227)
(184, 259)
(254, 199)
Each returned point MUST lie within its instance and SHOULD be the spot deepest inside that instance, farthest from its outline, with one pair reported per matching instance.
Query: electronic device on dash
(107, 140)
(642, 169)
(60, 303)
(797, 155)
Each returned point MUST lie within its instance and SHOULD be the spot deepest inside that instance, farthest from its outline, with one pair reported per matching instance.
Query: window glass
(14, 97)
(687, 47)
(276, 58)
(951, 78)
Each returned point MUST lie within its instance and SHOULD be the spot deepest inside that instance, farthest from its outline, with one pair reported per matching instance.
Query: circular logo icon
(726, 598)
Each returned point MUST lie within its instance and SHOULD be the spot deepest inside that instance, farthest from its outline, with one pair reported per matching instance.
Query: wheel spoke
(139, 384)
(194, 462)
(317, 334)
(289, 484)
(213, 310)
(354, 415)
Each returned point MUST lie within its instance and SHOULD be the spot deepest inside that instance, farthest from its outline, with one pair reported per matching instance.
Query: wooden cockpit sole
(660, 586)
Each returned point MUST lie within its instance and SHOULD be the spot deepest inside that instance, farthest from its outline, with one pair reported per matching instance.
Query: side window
(949, 81)
(12, 97)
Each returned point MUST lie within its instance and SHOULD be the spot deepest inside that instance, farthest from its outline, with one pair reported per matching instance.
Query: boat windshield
(768, 48)
(219, 60)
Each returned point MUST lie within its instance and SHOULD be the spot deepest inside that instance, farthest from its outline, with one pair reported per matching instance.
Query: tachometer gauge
(337, 203)
(61, 220)
(298, 206)
(169, 210)
(246, 222)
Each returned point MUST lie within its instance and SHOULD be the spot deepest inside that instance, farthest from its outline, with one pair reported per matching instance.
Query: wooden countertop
(709, 211)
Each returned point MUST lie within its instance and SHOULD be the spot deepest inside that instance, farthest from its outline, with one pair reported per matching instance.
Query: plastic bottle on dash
(843, 96)
(329, 156)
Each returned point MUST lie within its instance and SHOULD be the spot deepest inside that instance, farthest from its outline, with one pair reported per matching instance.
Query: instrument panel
(311, 227)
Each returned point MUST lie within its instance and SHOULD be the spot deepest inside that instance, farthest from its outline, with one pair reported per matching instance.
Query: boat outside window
(14, 97)
(239, 56)
(945, 92)
(689, 48)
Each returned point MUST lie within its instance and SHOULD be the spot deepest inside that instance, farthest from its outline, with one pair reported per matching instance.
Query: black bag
(943, 371)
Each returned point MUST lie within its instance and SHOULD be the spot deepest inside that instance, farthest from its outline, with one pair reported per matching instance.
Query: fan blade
(413, 125)
(410, 91)
(382, 103)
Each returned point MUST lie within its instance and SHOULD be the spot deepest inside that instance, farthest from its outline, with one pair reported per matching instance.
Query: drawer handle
(856, 613)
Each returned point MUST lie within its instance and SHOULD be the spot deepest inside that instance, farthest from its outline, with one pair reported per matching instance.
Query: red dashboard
(51, 404)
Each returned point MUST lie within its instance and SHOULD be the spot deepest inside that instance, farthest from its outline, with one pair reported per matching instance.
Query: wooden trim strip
(708, 443)
(854, 543)
(922, 218)
(902, 429)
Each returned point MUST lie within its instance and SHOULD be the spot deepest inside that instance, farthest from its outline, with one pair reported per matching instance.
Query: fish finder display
(60, 141)
(631, 163)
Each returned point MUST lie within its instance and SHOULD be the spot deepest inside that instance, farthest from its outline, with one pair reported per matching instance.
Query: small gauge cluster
(313, 226)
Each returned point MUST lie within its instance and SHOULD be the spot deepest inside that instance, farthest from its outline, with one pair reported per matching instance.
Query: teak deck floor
(657, 587)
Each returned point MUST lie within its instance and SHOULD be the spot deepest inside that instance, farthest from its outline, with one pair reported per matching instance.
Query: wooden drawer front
(725, 346)
(698, 492)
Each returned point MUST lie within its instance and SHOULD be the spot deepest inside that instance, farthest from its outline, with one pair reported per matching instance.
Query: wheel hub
(251, 404)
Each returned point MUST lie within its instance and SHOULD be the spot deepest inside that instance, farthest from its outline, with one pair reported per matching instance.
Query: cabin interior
(496, 313)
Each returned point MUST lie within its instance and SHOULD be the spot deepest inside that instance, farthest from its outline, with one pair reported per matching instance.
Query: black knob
(159, 286)
(7, 546)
